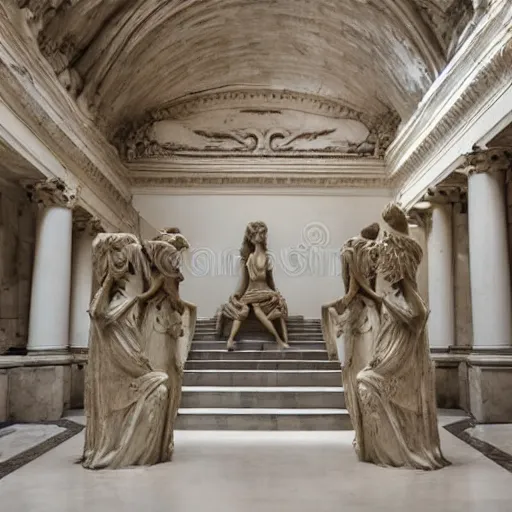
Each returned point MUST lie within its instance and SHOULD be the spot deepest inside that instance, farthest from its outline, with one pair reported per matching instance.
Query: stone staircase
(258, 387)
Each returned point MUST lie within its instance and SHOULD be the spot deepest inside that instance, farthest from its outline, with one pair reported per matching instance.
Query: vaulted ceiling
(123, 58)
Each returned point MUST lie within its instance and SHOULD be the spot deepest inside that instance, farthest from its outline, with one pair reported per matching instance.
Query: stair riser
(270, 378)
(291, 340)
(298, 328)
(262, 365)
(258, 345)
(267, 400)
(263, 422)
(203, 355)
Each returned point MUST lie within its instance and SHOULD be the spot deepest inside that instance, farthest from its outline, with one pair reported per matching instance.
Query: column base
(79, 350)
(48, 351)
(477, 380)
(489, 384)
(40, 387)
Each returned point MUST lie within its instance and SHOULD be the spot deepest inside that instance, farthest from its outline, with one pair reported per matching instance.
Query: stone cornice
(251, 171)
(468, 82)
(30, 89)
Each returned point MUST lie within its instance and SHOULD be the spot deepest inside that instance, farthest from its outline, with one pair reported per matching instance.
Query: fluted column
(51, 278)
(489, 265)
(84, 231)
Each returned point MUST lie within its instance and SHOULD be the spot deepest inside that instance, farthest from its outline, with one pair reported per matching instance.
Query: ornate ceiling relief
(257, 123)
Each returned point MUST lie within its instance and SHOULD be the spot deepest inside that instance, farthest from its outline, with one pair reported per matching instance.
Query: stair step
(258, 345)
(263, 419)
(300, 397)
(199, 354)
(262, 378)
(255, 364)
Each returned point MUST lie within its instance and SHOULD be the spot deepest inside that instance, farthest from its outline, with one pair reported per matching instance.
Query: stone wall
(17, 240)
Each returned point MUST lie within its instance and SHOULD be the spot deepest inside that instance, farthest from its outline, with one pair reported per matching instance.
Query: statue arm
(244, 283)
(270, 279)
(352, 290)
(155, 286)
(99, 302)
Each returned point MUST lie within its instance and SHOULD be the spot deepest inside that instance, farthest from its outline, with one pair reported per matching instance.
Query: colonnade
(489, 269)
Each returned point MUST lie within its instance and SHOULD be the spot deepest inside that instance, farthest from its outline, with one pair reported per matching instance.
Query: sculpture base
(251, 329)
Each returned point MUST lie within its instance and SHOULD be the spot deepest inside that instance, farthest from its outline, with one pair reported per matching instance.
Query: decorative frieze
(297, 180)
(52, 192)
(256, 122)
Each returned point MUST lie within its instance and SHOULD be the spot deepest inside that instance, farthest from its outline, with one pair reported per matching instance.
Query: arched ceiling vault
(123, 59)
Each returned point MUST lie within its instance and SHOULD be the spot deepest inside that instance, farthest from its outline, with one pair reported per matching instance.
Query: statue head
(171, 231)
(164, 257)
(371, 232)
(396, 218)
(255, 233)
(174, 237)
(116, 254)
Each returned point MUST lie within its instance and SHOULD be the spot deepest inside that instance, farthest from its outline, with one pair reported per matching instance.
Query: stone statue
(161, 328)
(189, 313)
(355, 316)
(257, 289)
(125, 397)
(396, 392)
(358, 260)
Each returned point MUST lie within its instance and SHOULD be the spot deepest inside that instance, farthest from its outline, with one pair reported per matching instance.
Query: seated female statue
(257, 289)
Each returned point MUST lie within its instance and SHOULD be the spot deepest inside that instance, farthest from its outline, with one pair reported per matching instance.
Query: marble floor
(260, 471)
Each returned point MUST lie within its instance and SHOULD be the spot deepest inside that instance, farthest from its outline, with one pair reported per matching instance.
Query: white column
(488, 251)
(81, 281)
(441, 322)
(51, 277)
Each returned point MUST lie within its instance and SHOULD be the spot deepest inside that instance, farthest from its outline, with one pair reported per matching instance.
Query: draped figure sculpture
(125, 397)
(189, 314)
(257, 289)
(355, 316)
(396, 392)
(162, 324)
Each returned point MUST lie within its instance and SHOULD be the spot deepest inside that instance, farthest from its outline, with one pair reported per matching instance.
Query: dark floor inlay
(498, 456)
(29, 455)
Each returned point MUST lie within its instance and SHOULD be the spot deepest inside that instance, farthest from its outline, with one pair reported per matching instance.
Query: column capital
(52, 192)
(90, 225)
(420, 216)
(488, 160)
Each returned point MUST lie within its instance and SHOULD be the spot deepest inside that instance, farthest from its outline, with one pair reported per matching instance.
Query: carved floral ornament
(257, 123)
(52, 192)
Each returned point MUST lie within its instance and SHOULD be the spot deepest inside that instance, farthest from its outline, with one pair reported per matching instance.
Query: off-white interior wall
(306, 232)
(147, 231)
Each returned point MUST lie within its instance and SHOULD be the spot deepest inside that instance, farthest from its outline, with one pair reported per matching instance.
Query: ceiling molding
(44, 125)
(468, 86)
